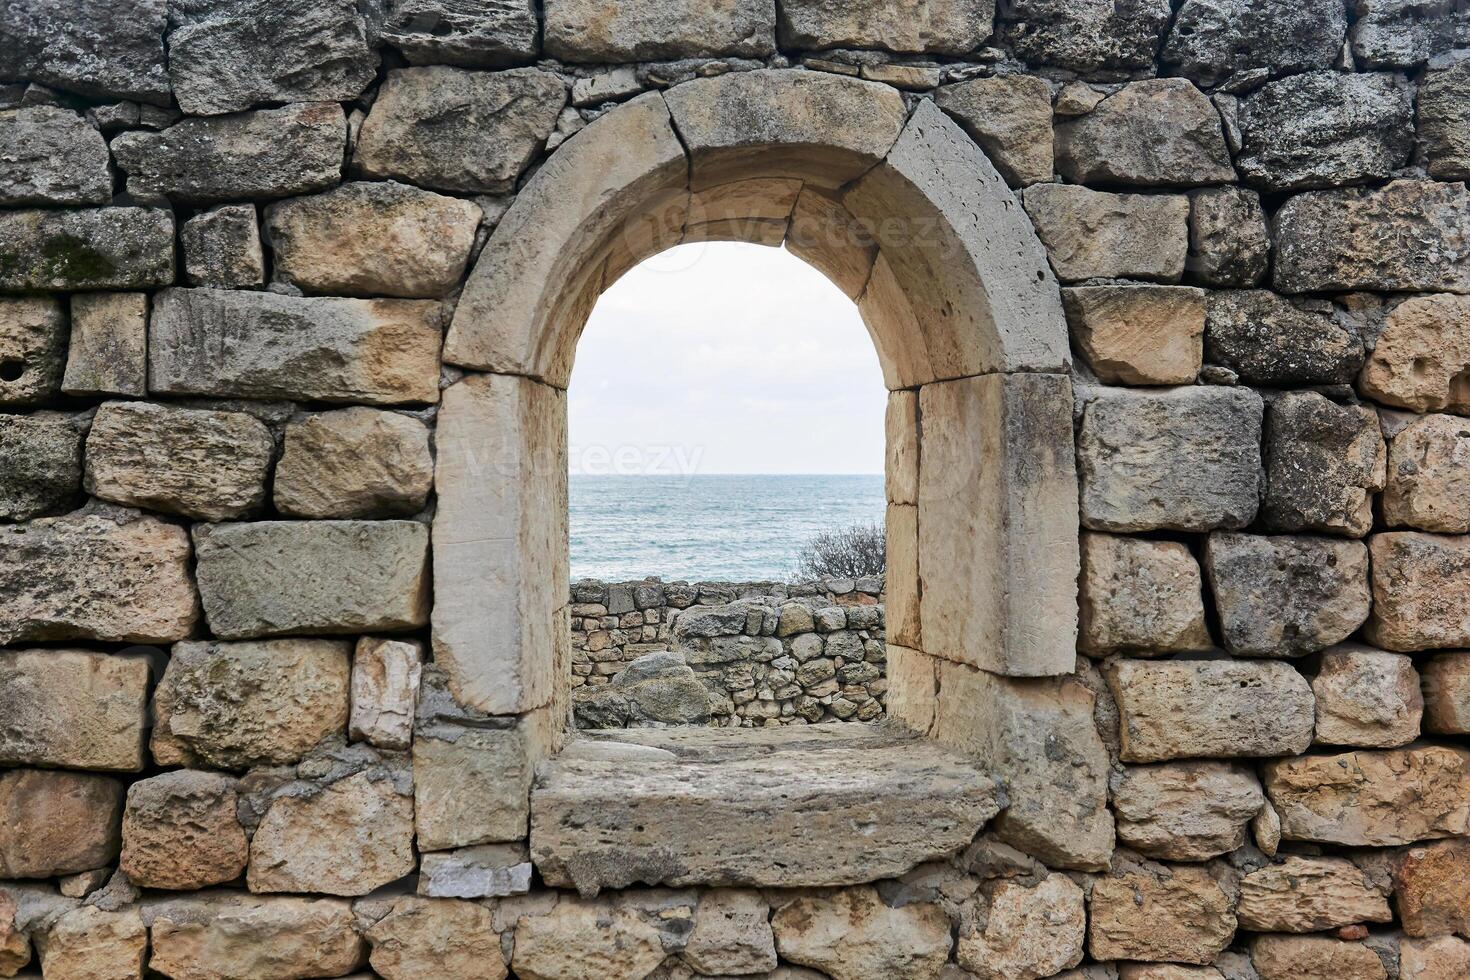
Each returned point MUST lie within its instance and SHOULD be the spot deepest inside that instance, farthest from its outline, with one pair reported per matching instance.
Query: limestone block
(1158, 132)
(1142, 910)
(1138, 335)
(901, 447)
(912, 687)
(586, 939)
(90, 944)
(731, 934)
(228, 55)
(355, 462)
(235, 705)
(180, 831)
(1038, 735)
(1366, 697)
(1278, 957)
(1185, 811)
(1214, 39)
(500, 541)
(295, 149)
(1444, 121)
(73, 708)
(85, 249)
(756, 210)
(1309, 894)
(32, 341)
(1269, 340)
(204, 465)
(1181, 459)
(228, 343)
(1325, 129)
(110, 575)
(1428, 477)
(1097, 235)
(372, 239)
(1286, 595)
(695, 806)
(1010, 118)
(1420, 598)
(1324, 464)
(1089, 36)
(108, 354)
(92, 47)
(1229, 241)
(456, 130)
(1372, 799)
(1030, 931)
(1421, 356)
(1160, 971)
(1227, 708)
(15, 946)
(1431, 889)
(483, 35)
(1434, 959)
(852, 935)
(951, 27)
(827, 237)
(222, 248)
(604, 31)
(40, 465)
(486, 871)
(52, 157)
(1399, 33)
(227, 934)
(1447, 694)
(57, 823)
(1407, 235)
(1139, 596)
(385, 687)
(422, 938)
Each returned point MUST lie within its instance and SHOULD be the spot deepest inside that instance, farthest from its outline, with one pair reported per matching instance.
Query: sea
(709, 527)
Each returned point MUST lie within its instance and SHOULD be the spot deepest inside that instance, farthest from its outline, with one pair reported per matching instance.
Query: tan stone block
(57, 823)
(1445, 958)
(181, 831)
(1421, 591)
(579, 938)
(90, 944)
(1139, 335)
(108, 354)
(1149, 133)
(852, 935)
(356, 462)
(1421, 356)
(1096, 235)
(1011, 118)
(1185, 811)
(826, 236)
(1366, 697)
(1312, 957)
(903, 612)
(1431, 888)
(440, 938)
(901, 447)
(757, 210)
(1148, 911)
(952, 27)
(894, 328)
(15, 947)
(913, 688)
(732, 934)
(385, 688)
(1429, 476)
(1141, 597)
(1309, 894)
(1030, 931)
(602, 31)
(32, 346)
(1446, 684)
(228, 934)
(73, 708)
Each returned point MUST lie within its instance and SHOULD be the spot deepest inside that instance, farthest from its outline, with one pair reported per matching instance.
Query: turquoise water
(709, 528)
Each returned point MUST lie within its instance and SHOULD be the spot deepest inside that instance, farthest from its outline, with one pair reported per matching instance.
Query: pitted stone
(52, 157)
(86, 249)
(607, 31)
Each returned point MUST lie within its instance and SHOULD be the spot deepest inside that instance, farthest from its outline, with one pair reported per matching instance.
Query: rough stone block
(1010, 117)
(1229, 241)
(607, 32)
(826, 236)
(1269, 340)
(1421, 591)
(1138, 335)
(901, 447)
(1185, 811)
(1184, 709)
(1367, 697)
(32, 341)
(180, 831)
(225, 933)
(597, 938)
(1431, 888)
(1142, 910)
(1161, 132)
(1404, 34)
(1138, 596)
(1309, 894)
(1428, 486)
(456, 130)
(732, 934)
(385, 689)
(222, 248)
(91, 944)
(1025, 929)
(851, 934)
(486, 871)
(1422, 356)
(86, 249)
(108, 354)
(93, 47)
(1447, 694)
(57, 823)
(1214, 39)
(40, 465)
(1324, 465)
(1444, 958)
(436, 938)
(1089, 36)
(226, 343)
(73, 708)
(1444, 121)
(951, 27)
(1283, 957)
(52, 157)
(446, 32)
(357, 462)
(1096, 235)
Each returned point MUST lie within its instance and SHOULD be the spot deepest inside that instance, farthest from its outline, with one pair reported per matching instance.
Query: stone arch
(905, 214)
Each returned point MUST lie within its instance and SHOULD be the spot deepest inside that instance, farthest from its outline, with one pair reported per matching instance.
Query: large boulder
(96, 48)
(180, 831)
(1212, 40)
(57, 823)
(52, 157)
(73, 708)
(852, 935)
(40, 465)
(86, 249)
(1159, 132)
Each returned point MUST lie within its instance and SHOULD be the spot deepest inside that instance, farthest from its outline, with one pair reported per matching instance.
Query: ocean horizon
(710, 527)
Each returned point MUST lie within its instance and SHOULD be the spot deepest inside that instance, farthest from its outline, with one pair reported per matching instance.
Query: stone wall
(739, 654)
(273, 299)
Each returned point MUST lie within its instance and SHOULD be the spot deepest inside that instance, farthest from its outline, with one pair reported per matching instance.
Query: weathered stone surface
(32, 338)
(226, 343)
(114, 576)
(1011, 118)
(1431, 888)
(694, 806)
(1286, 595)
(1428, 487)
(367, 239)
(108, 354)
(1447, 694)
(949, 27)
(1140, 597)
(657, 689)
(485, 871)
(1269, 340)
(732, 934)
(586, 939)
(52, 157)
(40, 465)
(479, 35)
(1309, 894)
(455, 130)
(1367, 697)
(608, 32)
(1303, 957)
(205, 465)
(1028, 931)
(1184, 459)
(1444, 958)
(1229, 241)
(1095, 235)
(1085, 35)
(1409, 234)
(1138, 335)
(1214, 39)
(1372, 799)
(1444, 121)
(422, 938)
(852, 935)
(228, 55)
(72, 708)
(1142, 910)
(57, 823)
(1325, 129)
(1402, 33)
(1185, 811)
(295, 149)
(228, 934)
(93, 47)
(235, 705)
(1227, 708)
(1152, 971)
(385, 688)
(89, 248)
(1159, 132)
(15, 946)
(180, 831)
(356, 462)
(1422, 356)
(222, 248)
(1324, 464)
(90, 944)
(1420, 597)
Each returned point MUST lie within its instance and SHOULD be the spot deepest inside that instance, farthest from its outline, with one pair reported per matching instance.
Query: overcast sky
(726, 358)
